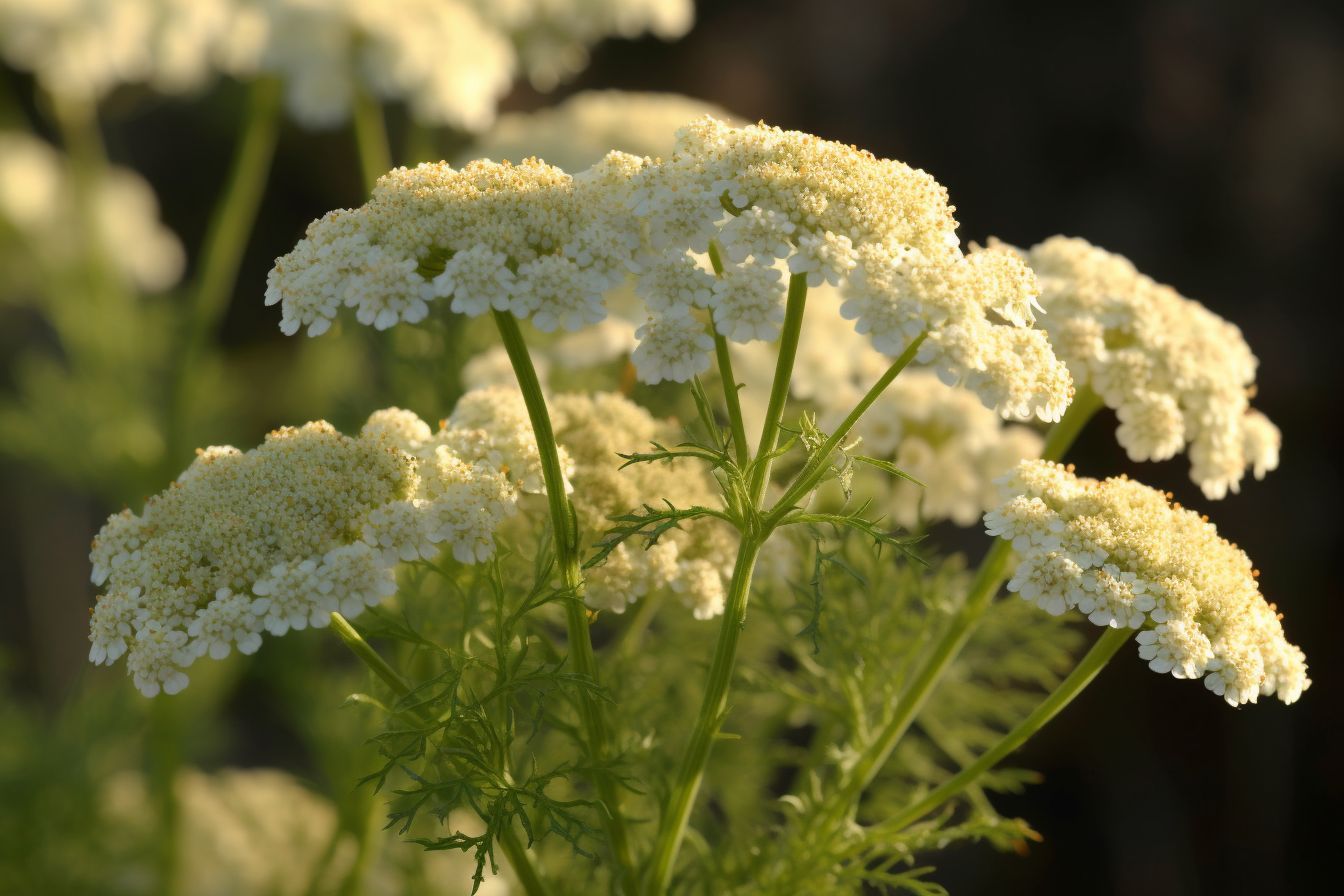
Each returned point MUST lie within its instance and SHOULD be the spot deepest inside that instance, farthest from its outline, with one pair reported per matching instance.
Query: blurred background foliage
(1203, 139)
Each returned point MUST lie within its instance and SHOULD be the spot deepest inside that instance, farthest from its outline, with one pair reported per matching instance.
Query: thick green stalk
(225, 242)
(713, 709)
(568, 560)
(815, 469)
(1086, 670)
(779, 389)
(375, 151)
(993, 570)
(714, 704)
(513, 847)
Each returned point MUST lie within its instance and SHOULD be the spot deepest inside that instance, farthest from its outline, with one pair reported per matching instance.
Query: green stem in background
(420, 143)
(513, 847)
(779, 389)
(993, 570)
(375, 152)
(222, 252)
(565, 525)
(815, 469)
(1086, 670)
(1062, 435)
(77, 122)
(714, 704)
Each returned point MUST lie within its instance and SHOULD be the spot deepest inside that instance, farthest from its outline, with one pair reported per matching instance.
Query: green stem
(564, 523)
(375, 153)
(1061, 436)
(513, 847)
(779, 389)
(714, 704)
(713, 709)
(1087, 669)
(815, 469)
(225, 243)
(731, 399)
(993, 570)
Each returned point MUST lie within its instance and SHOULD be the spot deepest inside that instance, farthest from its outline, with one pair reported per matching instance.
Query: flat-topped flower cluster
(1121, 553)
(1177, 375)
(536, 242)
(313, 522)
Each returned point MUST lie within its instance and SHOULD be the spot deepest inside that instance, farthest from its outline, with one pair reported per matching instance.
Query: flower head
(309, 523)
(1177, 375)
(1122, 554)
(534, 241)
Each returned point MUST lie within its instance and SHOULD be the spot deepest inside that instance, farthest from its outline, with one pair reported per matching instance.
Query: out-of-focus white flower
(578, 132)
(262, 832)
(38, 201)
(450, 61)
(1119, 552)
(1177, 375)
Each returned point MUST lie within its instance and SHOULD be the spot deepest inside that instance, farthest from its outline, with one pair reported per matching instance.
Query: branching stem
(364, 652)
(714, 703)
(568, 560)
(994, 568)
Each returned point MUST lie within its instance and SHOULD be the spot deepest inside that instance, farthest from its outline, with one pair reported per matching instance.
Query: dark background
(1205, 141)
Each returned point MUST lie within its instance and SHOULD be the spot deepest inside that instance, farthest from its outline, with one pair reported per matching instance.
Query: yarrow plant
(522, 552)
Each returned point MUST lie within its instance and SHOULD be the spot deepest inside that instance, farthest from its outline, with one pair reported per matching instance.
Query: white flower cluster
(526, 238)
(534, 241)
(1177, 375)
(449, 60)
(1119, 552)
(694, 560)
(310, 522)
(39, 208)
(879, 229)
(84, 49)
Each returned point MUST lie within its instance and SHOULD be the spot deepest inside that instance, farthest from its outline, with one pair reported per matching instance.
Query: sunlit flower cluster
(694, 560)
(879, 229)
(450, 61)
(1122, 554)
(531, 240)
(309, 523)
(1177, 375)
(40, 209)
(525, 238)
